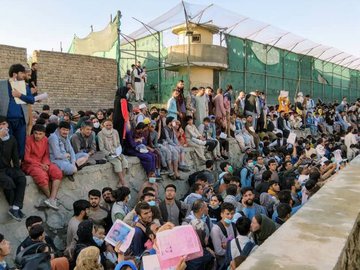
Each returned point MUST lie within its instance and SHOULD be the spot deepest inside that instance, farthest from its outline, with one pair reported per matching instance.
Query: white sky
(43, 24)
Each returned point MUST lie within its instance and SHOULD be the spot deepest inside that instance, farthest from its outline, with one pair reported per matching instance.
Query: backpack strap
(238, 245)
(234, 229)
(222, 228)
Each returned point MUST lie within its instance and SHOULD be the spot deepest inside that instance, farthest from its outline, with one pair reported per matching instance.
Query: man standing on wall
(13, 104)
(143, 82)
(310, 104)
(33, 79)
(227, 105)
(180, 102)
(138, 82)
(252, 107)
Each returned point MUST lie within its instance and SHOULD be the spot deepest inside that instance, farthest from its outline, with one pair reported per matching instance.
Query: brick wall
(10, 55)
(76, 81)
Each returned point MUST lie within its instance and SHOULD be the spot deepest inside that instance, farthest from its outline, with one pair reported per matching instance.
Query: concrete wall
(324, 234)
(76, 81)
(10, 55)
(90, 177)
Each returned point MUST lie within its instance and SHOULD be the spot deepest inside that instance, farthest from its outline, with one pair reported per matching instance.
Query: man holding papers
(14, 97)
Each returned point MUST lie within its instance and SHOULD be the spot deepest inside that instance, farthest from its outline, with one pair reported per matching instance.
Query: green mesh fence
(257, 66)
(251, 66)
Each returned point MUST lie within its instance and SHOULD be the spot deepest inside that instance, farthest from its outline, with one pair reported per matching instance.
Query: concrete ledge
(91, 177)
(324, 234)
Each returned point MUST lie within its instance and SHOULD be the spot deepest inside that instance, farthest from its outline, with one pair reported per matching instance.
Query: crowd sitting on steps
(232, 211)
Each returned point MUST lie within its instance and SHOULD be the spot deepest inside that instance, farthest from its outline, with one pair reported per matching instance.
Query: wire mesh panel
(273, 89)
(291, 66)
(260, 56)
(234, 75)
(328, 93)
(318, 91)
(236, 53)
(168, 83)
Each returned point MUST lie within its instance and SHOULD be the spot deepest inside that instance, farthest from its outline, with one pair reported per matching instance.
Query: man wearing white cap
(142, 115)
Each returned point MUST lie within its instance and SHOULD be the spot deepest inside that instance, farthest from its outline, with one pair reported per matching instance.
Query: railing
(199, 54)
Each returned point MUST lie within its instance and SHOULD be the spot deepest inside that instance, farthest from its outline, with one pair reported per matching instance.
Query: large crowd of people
(289, 151)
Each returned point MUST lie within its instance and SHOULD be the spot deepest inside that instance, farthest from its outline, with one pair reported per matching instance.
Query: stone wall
(323, 234)
(10, 55)
(76, 81)
(91, 177)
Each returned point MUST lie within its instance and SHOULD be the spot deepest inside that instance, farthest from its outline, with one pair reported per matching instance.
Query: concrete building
(196, 56)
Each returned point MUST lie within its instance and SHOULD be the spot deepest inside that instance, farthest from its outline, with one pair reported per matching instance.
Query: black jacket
(8, 153)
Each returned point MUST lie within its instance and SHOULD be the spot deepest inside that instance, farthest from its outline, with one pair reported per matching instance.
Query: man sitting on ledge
(62, 153)
(84, 145)
(37, 164)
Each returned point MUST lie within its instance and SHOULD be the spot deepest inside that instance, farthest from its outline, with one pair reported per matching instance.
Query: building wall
(10, 55)
(206, 36)
(199, 76)
(76, 81)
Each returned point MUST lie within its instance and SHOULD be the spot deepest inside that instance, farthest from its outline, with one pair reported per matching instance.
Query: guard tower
(196, 56)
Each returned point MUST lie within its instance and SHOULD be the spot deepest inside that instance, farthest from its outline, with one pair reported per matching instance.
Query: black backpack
(28, 260)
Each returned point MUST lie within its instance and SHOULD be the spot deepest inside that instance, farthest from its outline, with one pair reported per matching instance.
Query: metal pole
(188, 61)
(159, 66)
(245, 65)
(332, 80)
(266, 77)
(118, 49)
(312, 79)
(299, 73)
(283, 70)
(323, 84)
(188, 47)
(341, 84)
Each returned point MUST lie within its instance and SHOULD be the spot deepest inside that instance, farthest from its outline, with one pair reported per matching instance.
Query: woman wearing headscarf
(121, 110)
(262, 227)
(135, 146)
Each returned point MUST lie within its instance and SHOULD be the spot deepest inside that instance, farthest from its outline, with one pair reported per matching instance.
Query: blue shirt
(251, 211)
(246, 176)
(15, 111)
